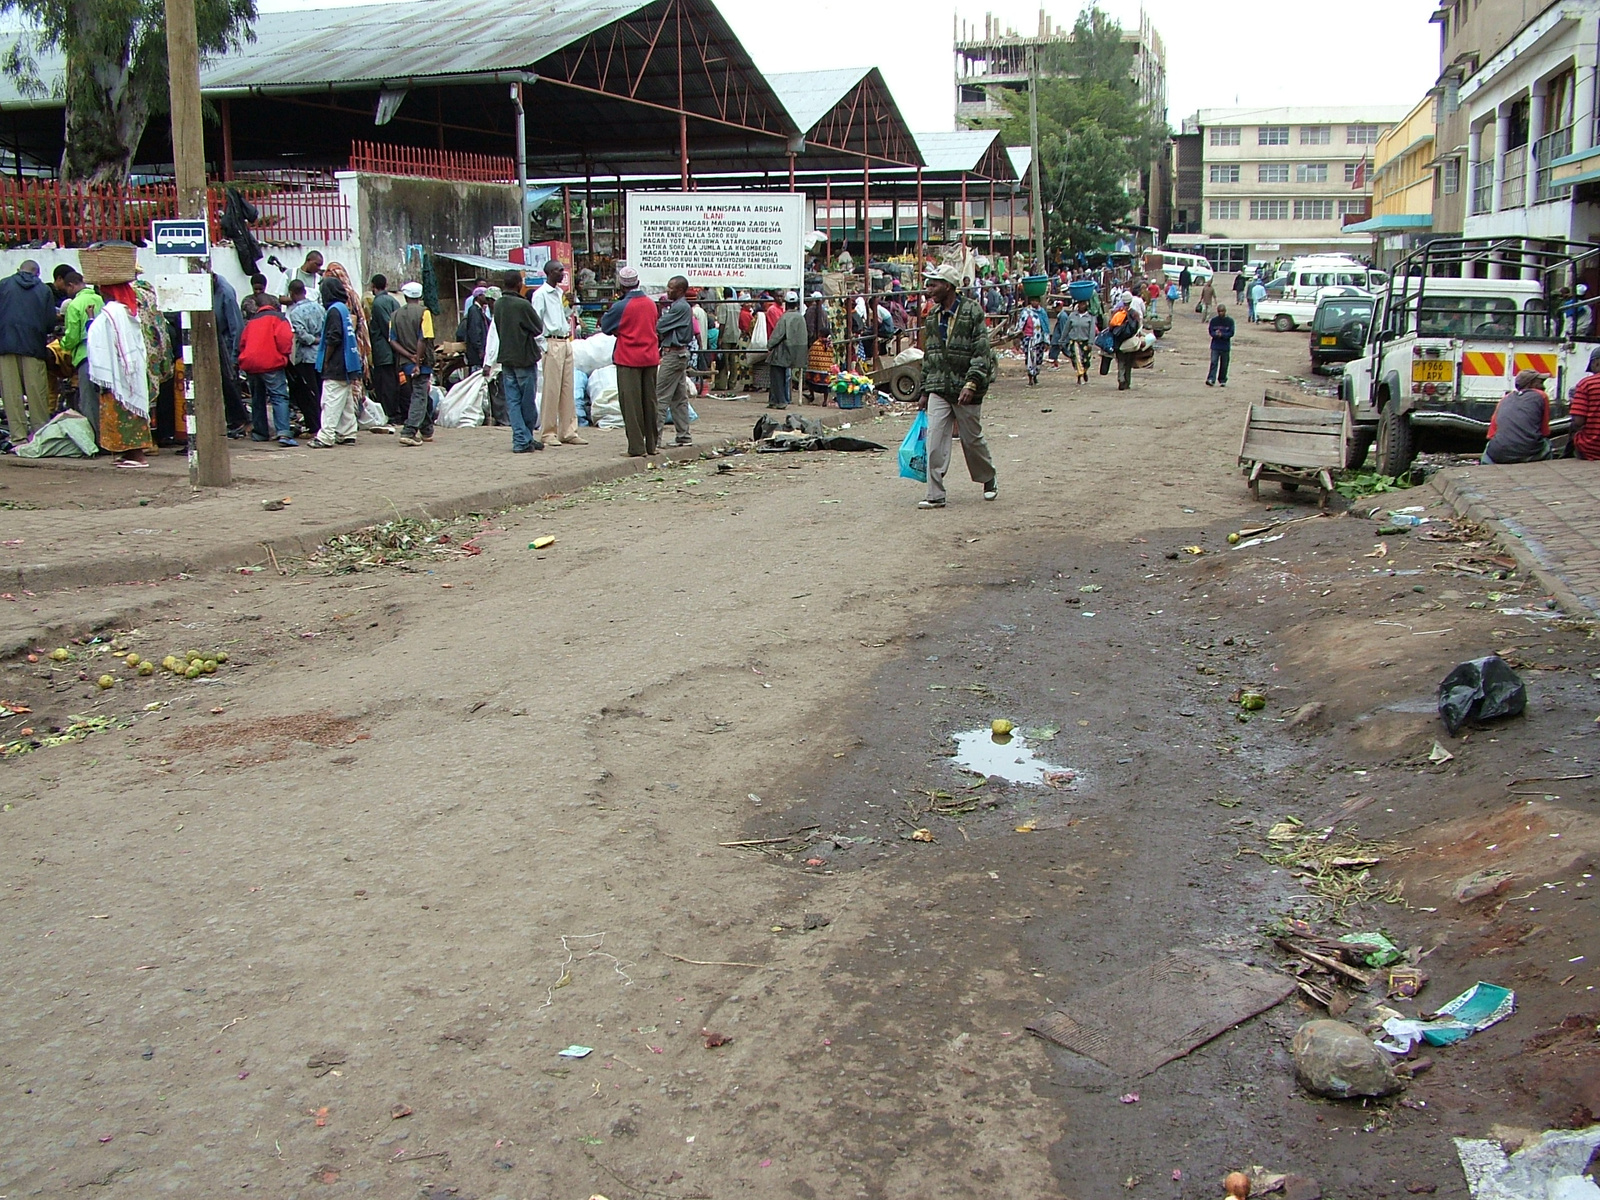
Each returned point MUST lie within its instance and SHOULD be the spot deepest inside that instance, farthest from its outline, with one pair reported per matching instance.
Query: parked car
(1339, 327)
(1293, 303)
(1174, 261)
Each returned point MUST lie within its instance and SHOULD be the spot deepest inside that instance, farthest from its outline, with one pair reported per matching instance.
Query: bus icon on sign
(184, 239)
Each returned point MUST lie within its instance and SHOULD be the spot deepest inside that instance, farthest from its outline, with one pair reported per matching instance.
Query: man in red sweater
(632, 321)
(264, 349)
(1586, 412)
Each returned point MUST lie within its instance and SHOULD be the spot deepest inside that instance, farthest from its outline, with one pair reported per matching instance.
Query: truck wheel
(1396, 443)
(1283, 323)
(1355, 449)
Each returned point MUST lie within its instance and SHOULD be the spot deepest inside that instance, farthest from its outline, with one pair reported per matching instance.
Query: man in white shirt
(555, 345)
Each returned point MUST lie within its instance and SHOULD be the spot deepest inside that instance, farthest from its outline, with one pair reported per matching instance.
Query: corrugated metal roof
(811, 95)
(369, 44)
(407, 40)
(961, 150)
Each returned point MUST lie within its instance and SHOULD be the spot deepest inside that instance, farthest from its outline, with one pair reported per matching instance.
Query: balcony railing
(1482, 188)
(38, 211)
(1513, 188)
(1553, 145)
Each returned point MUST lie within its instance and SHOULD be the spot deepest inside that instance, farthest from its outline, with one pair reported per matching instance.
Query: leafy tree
(1095, 133)
(114, 75)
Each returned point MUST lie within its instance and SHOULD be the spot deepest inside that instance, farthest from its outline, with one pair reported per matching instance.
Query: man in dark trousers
(1185, 282)
(413, 352)
(1221, 330)
(632, 320)
(1519, 431)
(675, 330)
(385, 380)
(519, 328)
(27, 314)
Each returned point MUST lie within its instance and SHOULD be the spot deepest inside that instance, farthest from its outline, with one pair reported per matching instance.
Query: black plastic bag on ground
(1481, 690)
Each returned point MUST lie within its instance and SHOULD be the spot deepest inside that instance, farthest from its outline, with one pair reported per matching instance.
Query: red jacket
(633, 320)
(266, 342)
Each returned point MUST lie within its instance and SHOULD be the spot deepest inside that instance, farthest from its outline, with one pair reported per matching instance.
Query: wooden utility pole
(1034, 167)
(209, 464)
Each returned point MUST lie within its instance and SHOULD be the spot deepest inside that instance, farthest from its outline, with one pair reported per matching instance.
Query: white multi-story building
(1277, 182)
(1533, 168)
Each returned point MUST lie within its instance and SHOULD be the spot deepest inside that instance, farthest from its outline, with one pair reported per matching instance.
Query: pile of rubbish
(794, 432)
(397, 543)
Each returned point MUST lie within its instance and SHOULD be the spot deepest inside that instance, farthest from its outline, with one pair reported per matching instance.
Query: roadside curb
(1515, 538)
(143, 568)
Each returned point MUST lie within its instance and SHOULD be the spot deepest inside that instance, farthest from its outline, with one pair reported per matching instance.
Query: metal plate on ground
(1163, 1011)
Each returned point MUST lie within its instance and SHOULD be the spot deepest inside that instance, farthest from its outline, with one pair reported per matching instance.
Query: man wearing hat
(675, 328)
(1519, 431)
(413, 352)
(786, 352)
(632, 321)
(957, 368)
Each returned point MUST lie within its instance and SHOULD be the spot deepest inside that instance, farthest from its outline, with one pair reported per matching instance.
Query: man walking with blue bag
(957, 368)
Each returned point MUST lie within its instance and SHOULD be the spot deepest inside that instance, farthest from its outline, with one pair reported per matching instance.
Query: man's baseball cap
(1530, 378)
(412, 291)
(946, 272)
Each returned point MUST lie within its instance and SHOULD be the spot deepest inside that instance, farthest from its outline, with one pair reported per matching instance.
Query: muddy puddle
(1010, 756)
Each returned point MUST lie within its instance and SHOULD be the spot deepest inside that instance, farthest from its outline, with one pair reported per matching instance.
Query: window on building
(1269, 210)
(1313, 210)
(1224, 172)
(1315, 135)
(1362, 135)
(1350, 172)
(1450, 176)
(1225, 210)
(1272, 173)
(1352, 208)
(1225, 135)
(1311, 173)
(1272, 135)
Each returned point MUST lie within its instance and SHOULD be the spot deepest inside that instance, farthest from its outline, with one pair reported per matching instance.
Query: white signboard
(506, 239)
(718, 239)
(183, 293)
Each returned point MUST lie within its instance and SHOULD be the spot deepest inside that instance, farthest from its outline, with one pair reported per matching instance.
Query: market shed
(618, 85)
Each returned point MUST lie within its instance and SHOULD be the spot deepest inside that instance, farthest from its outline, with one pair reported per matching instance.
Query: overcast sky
(1219, 52)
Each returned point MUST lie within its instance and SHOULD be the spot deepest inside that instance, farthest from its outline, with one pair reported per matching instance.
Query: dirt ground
(320, 923)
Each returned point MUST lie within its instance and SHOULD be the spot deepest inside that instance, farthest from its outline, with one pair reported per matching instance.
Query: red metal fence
(47, 210)
(380, 159)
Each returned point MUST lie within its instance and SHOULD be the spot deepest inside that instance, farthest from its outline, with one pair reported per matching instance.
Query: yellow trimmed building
(1402, 186)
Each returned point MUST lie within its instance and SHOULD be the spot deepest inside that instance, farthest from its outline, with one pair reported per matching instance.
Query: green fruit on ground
(132, 660)
(169, 662)
(209, 666)
(60, 654)
(1001, 726)
(1252, 701)
(222, 656)
(192, 671)
(105, 681)
(192, 655)
(1233, 539)
(147, 668)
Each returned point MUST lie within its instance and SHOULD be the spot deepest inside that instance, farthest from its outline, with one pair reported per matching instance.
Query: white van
(1174, 261)
(1306, 279)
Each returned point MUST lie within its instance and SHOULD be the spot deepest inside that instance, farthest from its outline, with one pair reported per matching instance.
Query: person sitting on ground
(1585, 410)
(1519, 431)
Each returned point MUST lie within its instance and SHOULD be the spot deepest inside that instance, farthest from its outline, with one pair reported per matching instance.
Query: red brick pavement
(1546, 514)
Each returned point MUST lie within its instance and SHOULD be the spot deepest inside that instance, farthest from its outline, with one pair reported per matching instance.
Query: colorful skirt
(122, 429)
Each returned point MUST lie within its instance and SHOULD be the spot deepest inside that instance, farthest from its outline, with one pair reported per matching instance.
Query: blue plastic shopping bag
(914, 450)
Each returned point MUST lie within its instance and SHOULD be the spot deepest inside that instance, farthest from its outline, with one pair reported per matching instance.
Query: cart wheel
(1289, 485)
(903, 386)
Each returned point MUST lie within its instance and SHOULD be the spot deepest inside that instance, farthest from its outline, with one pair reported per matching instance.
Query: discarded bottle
(1409, 519)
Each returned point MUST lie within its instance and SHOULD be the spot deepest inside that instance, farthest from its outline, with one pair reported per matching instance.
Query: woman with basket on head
(117, 357)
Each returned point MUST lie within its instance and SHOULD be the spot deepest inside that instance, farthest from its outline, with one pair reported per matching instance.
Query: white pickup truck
(1446, 345)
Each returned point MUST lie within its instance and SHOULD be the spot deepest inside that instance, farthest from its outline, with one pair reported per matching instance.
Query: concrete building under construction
(994, 60)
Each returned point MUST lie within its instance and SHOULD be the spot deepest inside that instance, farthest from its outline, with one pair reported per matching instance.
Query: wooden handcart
(1290, 443)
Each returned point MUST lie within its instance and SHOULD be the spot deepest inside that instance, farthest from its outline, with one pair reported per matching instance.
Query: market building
(1277, 182)
(1403, 185)
(1533, 166)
